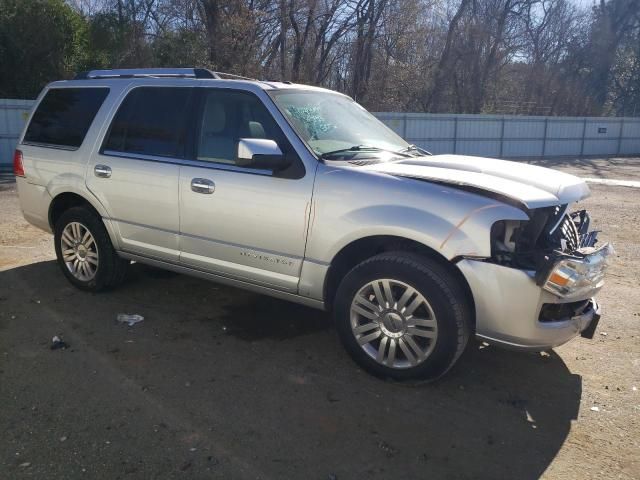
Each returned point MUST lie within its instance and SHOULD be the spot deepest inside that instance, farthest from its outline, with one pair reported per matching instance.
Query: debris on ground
(129, 318)
(595, 409)
(604, 334)
(388, 449)
(25, 465)
(57, 343)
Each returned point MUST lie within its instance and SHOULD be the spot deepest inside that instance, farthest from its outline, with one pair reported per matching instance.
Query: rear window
(151, 121)
(64, 116)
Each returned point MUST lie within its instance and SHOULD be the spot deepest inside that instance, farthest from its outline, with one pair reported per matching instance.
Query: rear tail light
(18, 167)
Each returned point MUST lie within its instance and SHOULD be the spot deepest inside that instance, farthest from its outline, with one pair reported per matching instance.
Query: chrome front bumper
(508, 305)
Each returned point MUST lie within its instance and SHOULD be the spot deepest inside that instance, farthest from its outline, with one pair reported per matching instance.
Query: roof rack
(157, 73)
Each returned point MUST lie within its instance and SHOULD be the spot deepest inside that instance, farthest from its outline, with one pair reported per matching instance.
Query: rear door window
(151, 121)
(64, 116)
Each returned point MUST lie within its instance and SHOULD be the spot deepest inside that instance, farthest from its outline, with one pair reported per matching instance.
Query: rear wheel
(402, 316)
(85, 253)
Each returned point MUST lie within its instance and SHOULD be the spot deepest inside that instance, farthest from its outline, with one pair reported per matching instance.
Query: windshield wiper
(361, 148)
(414, 148)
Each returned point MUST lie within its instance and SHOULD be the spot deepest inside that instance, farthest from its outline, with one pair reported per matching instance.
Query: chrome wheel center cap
(393, 324)
(82, 252)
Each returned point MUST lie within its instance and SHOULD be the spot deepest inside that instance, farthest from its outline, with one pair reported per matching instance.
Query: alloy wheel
(393, 323)
(79, 251)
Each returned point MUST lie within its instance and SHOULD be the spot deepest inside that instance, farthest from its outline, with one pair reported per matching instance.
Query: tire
(438, 327)
(92, 265)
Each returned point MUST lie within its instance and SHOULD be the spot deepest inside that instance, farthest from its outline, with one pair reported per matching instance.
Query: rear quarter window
(64, 116)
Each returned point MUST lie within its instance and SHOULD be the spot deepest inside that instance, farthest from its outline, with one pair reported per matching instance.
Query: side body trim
(291, 297)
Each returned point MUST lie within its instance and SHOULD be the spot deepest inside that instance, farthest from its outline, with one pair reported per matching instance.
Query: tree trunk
(432, 102)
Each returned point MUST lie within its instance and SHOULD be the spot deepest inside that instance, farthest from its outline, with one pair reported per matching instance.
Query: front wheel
(402, 316)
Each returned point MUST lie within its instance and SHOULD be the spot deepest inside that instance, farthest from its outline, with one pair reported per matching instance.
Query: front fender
(350, 205)
(471, 237)
(392, 220)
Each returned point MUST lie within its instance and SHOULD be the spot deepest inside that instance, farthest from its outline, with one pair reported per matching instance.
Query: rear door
(136, 171)
(250, 224)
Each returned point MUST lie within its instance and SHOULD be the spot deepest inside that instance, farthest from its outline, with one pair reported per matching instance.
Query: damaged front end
(537, 289)
(558, 247)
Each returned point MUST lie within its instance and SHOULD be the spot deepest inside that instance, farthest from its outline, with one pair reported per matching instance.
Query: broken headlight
(579, 274)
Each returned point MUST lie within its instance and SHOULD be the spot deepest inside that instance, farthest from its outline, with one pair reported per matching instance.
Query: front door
(240, 222)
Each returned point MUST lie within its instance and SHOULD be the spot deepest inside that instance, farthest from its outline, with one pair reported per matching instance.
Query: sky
(583, 3)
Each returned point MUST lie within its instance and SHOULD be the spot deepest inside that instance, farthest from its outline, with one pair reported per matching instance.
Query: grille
(569, 236)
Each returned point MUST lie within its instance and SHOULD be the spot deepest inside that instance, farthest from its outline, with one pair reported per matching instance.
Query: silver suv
(298, 192)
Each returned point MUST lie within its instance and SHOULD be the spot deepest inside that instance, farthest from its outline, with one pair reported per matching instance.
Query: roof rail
(157, 73)
(147, 72)
(231, 76)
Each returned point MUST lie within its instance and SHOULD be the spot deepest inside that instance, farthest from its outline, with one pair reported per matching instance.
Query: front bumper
(508, 304)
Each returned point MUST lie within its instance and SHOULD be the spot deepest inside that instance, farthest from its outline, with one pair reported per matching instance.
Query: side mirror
(261, 153)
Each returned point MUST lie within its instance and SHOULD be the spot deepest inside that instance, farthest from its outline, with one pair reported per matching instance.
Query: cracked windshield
(337, 128)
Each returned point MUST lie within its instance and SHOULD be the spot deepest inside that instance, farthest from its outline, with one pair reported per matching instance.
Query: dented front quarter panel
(351, 203)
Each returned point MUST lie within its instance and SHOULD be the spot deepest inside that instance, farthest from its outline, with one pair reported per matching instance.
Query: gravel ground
(221, 383)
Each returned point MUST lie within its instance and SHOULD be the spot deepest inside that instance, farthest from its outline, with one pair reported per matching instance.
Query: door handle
(102, 171)
(203, 185)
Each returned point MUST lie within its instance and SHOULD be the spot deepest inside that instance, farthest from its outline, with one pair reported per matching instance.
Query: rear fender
(71, 183)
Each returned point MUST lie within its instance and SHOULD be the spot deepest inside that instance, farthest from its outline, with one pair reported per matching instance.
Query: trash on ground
(604, 334)
(388, 449)
(25, 464)
(57, 343)
(129, 318)
(595, 409)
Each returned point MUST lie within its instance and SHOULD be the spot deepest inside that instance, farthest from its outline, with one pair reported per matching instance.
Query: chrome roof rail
(157, 73)
(147, 72)
(231, 76)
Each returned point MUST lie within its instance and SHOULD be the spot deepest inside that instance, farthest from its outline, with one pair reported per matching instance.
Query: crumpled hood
(530, 185)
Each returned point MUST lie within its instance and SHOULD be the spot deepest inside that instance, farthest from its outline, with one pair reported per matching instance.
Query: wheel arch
(366, 247)
(65, 200)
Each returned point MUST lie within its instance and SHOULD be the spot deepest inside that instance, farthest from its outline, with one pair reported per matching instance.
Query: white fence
(502, 136)
(507, 136)
(13, 114)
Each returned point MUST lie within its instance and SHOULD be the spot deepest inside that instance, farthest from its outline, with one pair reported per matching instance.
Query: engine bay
(550, 235)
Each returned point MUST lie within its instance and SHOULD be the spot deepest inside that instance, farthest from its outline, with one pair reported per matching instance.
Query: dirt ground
(221, 383)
